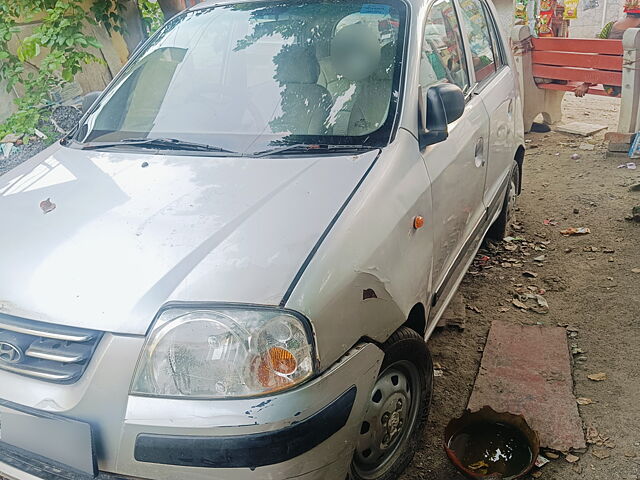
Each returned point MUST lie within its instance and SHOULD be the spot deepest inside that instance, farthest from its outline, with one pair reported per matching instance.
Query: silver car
(230, 268)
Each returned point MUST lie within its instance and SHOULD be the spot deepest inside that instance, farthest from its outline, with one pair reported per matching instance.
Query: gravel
(66, 117)
(20, 154)
(63, 119)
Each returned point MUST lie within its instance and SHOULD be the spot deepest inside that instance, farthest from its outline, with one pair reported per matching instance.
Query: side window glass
(496, 39)
(442, 57)
(479, 35)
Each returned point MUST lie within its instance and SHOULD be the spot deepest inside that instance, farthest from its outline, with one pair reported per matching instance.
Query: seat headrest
(355, 51)
(297, 64)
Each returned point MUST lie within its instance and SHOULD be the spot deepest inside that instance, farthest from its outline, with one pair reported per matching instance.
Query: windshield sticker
(374, 9)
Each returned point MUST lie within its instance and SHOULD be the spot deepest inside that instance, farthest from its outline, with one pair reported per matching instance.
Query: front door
(457, 166)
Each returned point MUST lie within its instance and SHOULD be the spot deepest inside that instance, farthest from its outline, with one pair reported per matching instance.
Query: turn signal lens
(273, 366)
(282, 361)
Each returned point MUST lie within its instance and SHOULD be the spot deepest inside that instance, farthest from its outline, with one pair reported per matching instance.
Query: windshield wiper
(161, 143)
(312, 148)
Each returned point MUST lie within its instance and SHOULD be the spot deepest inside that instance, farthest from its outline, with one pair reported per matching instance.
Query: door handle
(479, 153)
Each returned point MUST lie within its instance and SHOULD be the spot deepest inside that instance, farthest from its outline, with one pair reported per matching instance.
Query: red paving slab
(527, 370)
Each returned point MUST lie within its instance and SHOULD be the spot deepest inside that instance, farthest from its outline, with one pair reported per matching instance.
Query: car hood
(127, 232)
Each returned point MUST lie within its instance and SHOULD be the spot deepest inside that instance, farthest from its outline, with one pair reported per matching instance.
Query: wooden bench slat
(580, 45)
(578, 74)
(571, 87)
(565, 59)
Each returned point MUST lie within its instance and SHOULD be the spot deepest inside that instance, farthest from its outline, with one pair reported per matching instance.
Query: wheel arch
(417, 319)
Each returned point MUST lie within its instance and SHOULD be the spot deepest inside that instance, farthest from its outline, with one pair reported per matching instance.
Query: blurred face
(355, 51)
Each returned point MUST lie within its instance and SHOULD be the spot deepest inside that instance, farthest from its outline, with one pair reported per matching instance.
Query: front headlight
(223, 352)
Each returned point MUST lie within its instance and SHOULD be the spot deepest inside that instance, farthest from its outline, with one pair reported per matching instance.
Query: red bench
(566, 63)
(574, 61)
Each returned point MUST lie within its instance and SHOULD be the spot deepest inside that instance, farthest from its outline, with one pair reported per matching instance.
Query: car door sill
(454, 275)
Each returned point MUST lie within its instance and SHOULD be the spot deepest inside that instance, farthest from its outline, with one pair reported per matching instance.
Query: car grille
(45, 351)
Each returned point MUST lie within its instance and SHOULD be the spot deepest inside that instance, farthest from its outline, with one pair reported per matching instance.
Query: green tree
(60, 36)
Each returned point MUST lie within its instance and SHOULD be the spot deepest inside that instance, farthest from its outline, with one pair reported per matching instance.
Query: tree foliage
(61, 46)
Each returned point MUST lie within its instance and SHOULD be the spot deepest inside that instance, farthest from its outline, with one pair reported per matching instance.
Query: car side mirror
(439, 106)
(88, 100)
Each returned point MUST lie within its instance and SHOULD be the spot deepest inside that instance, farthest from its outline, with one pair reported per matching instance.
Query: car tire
(397, 411)
(502, 226)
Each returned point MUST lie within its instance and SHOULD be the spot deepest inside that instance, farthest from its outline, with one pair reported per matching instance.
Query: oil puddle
(487, 448)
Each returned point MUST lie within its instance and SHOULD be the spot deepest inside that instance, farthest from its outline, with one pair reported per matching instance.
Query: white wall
(589, 22)
(587, 25)
(505, 9)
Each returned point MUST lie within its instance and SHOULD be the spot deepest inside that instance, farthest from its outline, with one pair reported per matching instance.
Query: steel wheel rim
(391, 415)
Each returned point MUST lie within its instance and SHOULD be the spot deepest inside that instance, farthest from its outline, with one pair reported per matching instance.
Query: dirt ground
(589, 286)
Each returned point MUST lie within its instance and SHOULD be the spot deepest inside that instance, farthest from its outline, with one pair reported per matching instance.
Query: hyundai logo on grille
(10, 353)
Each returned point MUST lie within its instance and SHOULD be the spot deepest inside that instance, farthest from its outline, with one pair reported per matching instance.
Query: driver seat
(305, 105)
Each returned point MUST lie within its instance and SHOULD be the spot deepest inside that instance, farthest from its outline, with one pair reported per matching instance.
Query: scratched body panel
(373, 245)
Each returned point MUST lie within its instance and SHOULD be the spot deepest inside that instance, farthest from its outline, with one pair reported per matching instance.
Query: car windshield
(249, 77)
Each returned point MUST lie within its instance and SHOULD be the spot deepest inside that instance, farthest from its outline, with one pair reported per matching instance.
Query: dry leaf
(635, 270)
(592, 435)
(519, 304)
(47, 206)
(601, 454)
(584, 401)
(474, 308)
(571, 458)
(597, 377)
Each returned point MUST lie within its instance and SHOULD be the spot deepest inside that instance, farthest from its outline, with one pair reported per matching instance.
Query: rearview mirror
(88, 100)
(439, 106)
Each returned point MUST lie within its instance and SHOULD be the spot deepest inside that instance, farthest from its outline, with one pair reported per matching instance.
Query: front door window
(442, 57)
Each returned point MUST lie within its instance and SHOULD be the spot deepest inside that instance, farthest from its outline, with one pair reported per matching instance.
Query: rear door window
(479, 35)
(496, 39)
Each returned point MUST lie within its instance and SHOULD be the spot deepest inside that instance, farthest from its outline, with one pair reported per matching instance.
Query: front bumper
(307, 433)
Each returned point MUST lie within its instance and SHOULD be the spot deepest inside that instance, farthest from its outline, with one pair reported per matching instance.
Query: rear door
(496, 88)
(457, 166)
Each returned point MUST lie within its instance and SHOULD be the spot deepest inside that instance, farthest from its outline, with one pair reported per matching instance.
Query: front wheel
(397, 410)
